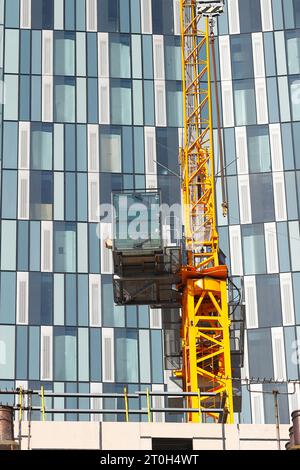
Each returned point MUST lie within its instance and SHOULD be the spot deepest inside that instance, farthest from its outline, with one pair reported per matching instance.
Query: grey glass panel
(41, 195)
(64, 99)
(65, 354)
(254, 249)
(64, 53)
(9, 194)
(268, 301)
(174, 104)
(162, 17)
(259, 149)
(22, 347)
(23, 245)
(24, 99)
(42, 14)
(69, 14)
(287, 145)
(95, 354)
(283, 247)
(94, 249)
(244, 102)
(293, 51)
(41, 146)
(291, 195)
(64, 247)
(283, 405)
(71, 304)
(10, 145)
(126, 355)
(121, 106)
(8, 298)
(262, 198)
(25, 52)
(7, 351)
(34, 353)
(173, 57)
(269, 54)
(297, 13)
(260, 346)
(272, 92)
(80, 15)
(40, 299)
(92, 54)
(250, 17)
(12, 13)
(156, 357)
(294, 84)
(120, 53)
(108, 15)
(111, 149)
(296, 139)
(241, 56)
(112, 315)
(167, 150)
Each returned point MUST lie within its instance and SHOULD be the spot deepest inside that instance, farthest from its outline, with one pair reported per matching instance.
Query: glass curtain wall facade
(92, 98)
(259, 67)
(92, 101)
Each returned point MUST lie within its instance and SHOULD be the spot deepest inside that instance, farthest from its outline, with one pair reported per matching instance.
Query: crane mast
(206, 355)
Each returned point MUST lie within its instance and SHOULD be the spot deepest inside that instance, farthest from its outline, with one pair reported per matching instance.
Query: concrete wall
(134, 436)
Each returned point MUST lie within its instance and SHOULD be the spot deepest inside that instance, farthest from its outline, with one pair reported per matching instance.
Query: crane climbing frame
(205, 320)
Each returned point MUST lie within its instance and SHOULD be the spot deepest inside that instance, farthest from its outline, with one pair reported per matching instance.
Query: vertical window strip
(91, 15)
(225, 58)
(266, 15)
(103, 55)
(146, 16)
(24, 145)
(46, 246)
(261, 101)
(227, 100)
(23, 194)
(104, 101)
(241, 150)
(245, 200)
(47, 99)
(46, 353)
(251, 301)
(106, 254)
(233, 16)
(279, 197)
(257, 404)
(95, 300)
(236, 250)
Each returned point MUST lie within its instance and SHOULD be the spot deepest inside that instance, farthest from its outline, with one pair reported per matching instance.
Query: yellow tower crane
(144, 270)
(205, 319)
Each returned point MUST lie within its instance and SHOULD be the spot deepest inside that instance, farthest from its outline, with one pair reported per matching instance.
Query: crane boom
(205, 321)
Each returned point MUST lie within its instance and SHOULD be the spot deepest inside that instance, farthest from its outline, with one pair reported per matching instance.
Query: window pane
(126, 345)
(241, 56)
(64, 247)
(259, 149)
(254, 249)
(121, 112)
(268, 301)
(108, 15)
(120, 56)
(295, 97)
(41, 195)
(40, 299)
(41, 146)
(65, 354)
(64, 99)
(110, 149)
(64, 53)
(162, 17)
(7, 352)
(244, 101)
(250, 16)
(262, 198)
(260, 346)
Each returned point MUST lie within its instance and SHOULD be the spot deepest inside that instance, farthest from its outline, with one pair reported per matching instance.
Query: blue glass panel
(8, 298)
(126, 354)
(24, 98)
(9, 194)
(42, 14)
(10, 145)
(93, 100)
(41, 195)
(34, 353)
(94, 250)
(83, 296)
(95, 354)
(23, 244)
(12, 13)
(80, 15)
(70, 15)
(40, 299)
(25, 52)
(71, 304)
(65, 354)
(64, 246)
(156, 357)
(91, 44)
(162, 17)
(22, 355)
(108, 15)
